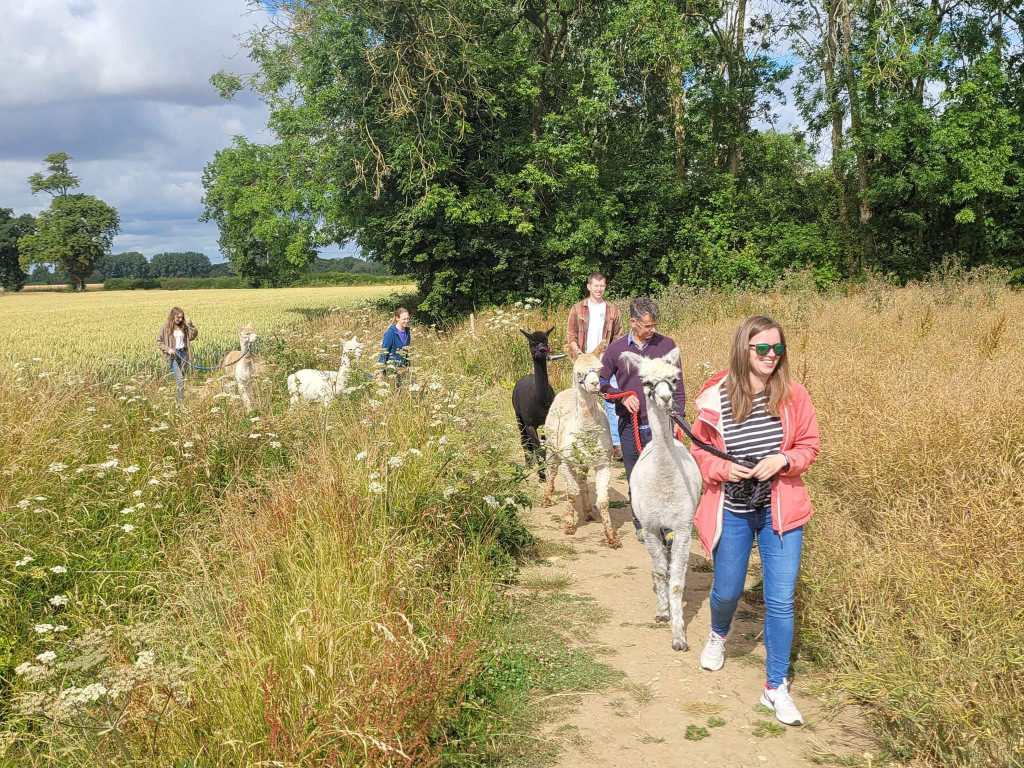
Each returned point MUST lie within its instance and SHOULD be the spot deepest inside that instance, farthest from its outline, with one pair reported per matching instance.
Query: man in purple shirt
(643, 339)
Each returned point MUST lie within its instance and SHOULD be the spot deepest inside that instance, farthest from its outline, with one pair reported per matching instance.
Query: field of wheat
(207, 586)
(115, 330)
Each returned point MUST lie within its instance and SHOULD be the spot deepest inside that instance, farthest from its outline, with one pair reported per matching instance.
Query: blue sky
(122, 86)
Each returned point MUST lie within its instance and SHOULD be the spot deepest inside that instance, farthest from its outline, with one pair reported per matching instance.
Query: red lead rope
(636, 420)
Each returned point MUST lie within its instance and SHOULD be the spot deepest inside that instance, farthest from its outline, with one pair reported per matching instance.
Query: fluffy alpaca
(532, 397)
(324, 386)
(240, 364)
(577, 438)
(665, 488)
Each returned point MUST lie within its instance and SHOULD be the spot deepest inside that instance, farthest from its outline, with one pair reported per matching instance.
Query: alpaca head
(246, 335)
(351, 348)
(539, 347)
(660, 376)
(586, 373)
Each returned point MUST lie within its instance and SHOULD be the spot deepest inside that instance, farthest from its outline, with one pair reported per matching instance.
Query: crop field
(112, 329)
(207, 586)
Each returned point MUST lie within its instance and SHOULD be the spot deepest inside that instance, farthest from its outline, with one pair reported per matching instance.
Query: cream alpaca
(239, 362)
(324, 386)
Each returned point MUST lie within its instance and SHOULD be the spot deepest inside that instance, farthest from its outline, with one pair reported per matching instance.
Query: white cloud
(122, 86)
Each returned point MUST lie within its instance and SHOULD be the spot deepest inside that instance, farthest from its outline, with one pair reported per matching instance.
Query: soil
(643, 721)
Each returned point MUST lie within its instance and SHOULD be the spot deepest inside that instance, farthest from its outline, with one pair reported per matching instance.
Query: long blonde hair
(737, 386)
(169, 326)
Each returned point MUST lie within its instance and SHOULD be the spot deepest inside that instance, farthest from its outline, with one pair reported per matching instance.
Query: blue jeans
(780, 563)
(630, 454)
(613, 420)
(179, 377)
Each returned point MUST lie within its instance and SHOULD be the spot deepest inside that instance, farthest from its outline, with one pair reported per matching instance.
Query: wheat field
(116, 329)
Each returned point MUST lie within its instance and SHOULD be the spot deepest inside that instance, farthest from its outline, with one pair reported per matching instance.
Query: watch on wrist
(785, 459)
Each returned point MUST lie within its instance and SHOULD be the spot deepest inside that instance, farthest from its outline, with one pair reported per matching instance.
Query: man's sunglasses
(762, 349)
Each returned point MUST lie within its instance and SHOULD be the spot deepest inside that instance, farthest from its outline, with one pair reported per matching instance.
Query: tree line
(75, 233)
(492, 149)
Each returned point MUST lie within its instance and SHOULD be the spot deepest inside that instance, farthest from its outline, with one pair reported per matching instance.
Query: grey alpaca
(664, 489)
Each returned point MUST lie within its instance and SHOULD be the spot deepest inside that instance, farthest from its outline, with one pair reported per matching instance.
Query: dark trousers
(629, 452)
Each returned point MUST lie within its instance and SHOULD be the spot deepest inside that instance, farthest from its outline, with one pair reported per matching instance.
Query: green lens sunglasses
(762, 349)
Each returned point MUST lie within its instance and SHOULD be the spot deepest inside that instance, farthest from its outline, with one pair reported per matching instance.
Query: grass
(541, 579)
(765, 729)
(696, 733)
(642, 693)
(716, 722)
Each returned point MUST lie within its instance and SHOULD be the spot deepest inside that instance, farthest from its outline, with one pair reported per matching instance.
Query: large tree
(75, 231)
(12, 277)
(128, 264)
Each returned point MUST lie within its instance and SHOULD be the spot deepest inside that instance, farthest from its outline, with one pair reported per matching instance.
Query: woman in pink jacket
(756, 413)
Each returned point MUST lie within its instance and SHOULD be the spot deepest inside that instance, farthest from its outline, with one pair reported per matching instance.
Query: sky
(123, 87)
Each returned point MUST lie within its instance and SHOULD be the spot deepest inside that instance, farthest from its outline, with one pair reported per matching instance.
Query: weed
(696, 733)
(716, 722)
(765, 729)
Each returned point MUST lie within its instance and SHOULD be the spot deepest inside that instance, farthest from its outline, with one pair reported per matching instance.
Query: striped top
(759, 436)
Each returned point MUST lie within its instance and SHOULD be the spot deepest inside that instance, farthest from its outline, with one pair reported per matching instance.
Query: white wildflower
(154, 481)
(61, 628)
(106, 426)
(373, 403)
(127, 527)
(136, 494)
(90, 409)
(361, 456)
(271, 434)
(275, 444)
(58, 569)
(415, 387)
(40, 498)
(396, 461)
(509, 501)
(141, 505)
(254, 419)
(23, 504)
(37, 359)
(58, 467)
(58, 600)
(435, 385)
(255, 436)
(109, 464)
(448, 493)
(23, 670)
(46, 657)
(127, 510)
(42, 629)
(24, 561)
(442, 440)
(415, 451)
(145, 659)
(187, 444)
(215, 409)
(491, 502)
(376, 487)
(132, 469)
(73, 697)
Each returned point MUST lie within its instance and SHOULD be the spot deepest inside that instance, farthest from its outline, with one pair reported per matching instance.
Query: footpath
(643, 721)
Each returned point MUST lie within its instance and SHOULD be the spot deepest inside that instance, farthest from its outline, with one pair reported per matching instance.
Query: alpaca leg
(244, 389)
(571, 492)
(601, 482)
(588, 509)
(676, 584)
(659, 571)
(549, 483)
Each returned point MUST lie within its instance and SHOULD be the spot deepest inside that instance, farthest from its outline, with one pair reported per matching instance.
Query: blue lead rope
(190, 364)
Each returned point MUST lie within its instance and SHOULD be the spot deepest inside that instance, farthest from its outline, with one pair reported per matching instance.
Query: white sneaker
(781, 702)
(712, 657)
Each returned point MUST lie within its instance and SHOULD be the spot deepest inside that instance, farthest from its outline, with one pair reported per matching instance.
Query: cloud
(122, 86)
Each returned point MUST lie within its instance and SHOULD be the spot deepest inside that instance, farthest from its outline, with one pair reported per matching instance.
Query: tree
(129, 264)
(12, 277)
(186, 264)
(74, 232)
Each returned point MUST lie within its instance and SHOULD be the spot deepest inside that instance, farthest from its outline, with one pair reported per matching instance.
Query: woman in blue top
(396, 337)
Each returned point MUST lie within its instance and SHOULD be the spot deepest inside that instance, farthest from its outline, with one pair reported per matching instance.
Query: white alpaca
(664, 489)
(239, 362)
(577, 437)
(324, 386)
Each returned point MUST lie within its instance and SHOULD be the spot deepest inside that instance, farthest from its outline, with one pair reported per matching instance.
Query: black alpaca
(532, 396)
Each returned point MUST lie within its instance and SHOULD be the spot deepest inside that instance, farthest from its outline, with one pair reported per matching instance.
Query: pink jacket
(791, 505)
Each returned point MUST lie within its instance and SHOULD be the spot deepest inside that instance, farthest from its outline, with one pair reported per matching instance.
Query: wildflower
(136, 494)
(23, 504)
(105, 426)
(110, 464)
(376, 487)
(415, 451)
(255, 436)
(58, 467)
(60, 628)
(254, 419)
(24, 669)
(141, 505)
(58, 600)
(491, 502)
(42, 629)
(78, 696)
(127, 527)
(37, 359)
(275, 444)
(509, 501)
(58, 569)
(46, 657)
(215, 409)
(127, 510)
(442, 440)
(271, 434)
(414, 387)
(145, 659)
(396, 461)
(361, 456)
(435, 385)
(448, 493)
(90, 409)
(40, 498)
(154, 481)
(132, 469)
(187, 444)
(24, 561)
(373, 403)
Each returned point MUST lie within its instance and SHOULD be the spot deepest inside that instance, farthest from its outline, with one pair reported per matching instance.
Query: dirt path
(643, 721)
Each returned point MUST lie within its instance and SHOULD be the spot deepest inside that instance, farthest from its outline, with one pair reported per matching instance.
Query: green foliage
(130, 264)
(696, 733)
(74, 232)
(190, 283)
(187, 264)
(129, 284)
(12, 278)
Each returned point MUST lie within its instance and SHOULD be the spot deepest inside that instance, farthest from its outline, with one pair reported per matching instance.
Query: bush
(129, 284)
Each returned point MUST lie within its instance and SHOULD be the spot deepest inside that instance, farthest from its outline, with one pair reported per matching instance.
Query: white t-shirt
(595, 326)
(179, 338)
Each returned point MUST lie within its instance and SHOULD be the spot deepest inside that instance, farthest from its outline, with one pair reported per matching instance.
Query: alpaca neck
(345, 364)
(589, 409)
(540, 376)
(661, 425)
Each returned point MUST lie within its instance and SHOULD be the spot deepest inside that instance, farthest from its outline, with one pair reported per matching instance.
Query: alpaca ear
(600, 349)
(633, 360)
(549, 330)
(238, 328)
(673, 356)
(525, 334)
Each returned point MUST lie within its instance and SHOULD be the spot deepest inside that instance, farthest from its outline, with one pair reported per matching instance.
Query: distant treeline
(190, 283)
(189, 265)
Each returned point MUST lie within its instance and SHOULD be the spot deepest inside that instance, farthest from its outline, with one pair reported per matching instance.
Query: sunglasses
(762, 349)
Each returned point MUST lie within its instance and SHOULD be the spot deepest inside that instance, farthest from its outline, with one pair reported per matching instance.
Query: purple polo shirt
(628, 378)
